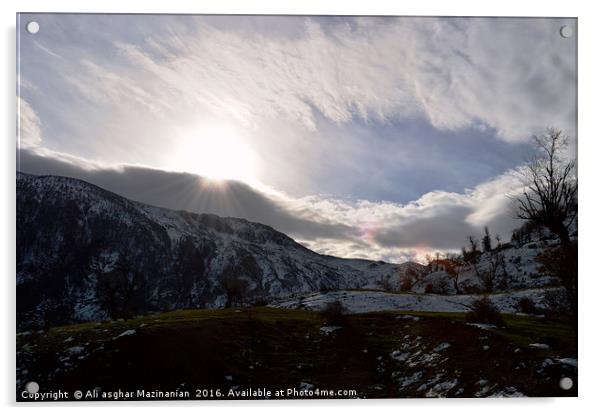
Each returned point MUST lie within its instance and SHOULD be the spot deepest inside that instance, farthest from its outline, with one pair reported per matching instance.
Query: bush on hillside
(527, 306)
(334, 313)
(484, 311)
(556, 304)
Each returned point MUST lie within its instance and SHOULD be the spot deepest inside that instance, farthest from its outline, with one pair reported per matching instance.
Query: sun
(214, 152)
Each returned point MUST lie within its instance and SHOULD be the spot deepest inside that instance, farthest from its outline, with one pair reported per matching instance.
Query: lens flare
(214, 152)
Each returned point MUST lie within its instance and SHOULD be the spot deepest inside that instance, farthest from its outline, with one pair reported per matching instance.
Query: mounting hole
(32, 387)
(566, 383)
(33, 27)
(566, 31)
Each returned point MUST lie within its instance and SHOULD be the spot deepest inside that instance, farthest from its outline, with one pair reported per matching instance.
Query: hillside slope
(84, 253)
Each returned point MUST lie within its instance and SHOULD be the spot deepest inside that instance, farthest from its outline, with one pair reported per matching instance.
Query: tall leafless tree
(550, 200)
(550, 196)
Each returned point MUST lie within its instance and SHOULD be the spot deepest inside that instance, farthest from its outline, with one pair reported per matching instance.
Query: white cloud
(28, 125)
(353, 229)
(516, 76)
(437, 221)
(45, 49)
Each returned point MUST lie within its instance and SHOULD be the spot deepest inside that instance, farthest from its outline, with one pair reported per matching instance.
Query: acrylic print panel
(295, 207)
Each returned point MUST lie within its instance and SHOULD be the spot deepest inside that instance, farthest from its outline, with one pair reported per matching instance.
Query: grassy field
(377, 355)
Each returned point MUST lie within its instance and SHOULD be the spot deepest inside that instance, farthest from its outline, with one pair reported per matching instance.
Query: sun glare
(218, 153)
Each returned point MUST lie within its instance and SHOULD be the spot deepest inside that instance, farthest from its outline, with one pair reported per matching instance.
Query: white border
(590, 152)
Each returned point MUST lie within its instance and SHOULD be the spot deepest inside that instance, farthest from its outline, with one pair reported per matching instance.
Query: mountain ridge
(76, 241)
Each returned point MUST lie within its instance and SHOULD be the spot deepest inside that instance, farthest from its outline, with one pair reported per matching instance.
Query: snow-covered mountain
(84, 253)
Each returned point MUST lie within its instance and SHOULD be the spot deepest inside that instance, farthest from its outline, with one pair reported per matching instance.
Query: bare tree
(550, 200)
(120, 290)
(495, 263)
(452, 266)
(235, 289)
(411, 276)
(474, 245)
(473, 256)
(550, 197)
(486, 241)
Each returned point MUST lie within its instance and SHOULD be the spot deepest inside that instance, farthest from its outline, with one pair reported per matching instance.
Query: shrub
(411, 276)
(483, 311)
(561, 263)
(428, 289)
(556, 304)
(334, 313)
(235, 289)
(406, 284)
(527, 306)
(440, 286)
(260, 302)
(469, 288)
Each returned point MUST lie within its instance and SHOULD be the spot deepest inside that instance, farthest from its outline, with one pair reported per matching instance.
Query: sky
(369, 137)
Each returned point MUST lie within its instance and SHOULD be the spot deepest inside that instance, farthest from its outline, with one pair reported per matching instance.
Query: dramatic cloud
(374, 137)
(362, 229)
(436, 221)
(510, 75)
(332, 93)
(183, 191)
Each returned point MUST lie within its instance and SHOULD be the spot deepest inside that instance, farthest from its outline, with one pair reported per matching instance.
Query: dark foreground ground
(244, 353)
